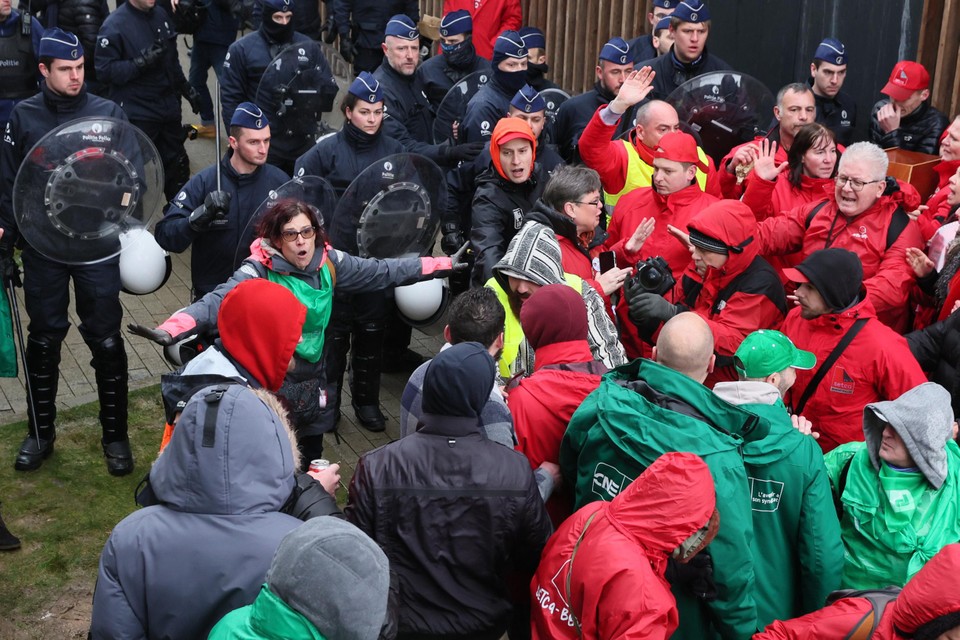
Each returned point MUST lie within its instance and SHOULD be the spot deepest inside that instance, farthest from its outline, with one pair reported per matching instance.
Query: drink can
(319, 464)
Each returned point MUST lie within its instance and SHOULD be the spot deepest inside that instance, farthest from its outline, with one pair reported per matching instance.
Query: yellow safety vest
(640, 174)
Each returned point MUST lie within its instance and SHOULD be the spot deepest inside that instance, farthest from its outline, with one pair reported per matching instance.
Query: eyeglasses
(856, 185)
(290, 235)
(597, 203)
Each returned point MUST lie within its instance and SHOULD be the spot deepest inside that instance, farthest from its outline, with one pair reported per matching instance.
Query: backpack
(898, 223)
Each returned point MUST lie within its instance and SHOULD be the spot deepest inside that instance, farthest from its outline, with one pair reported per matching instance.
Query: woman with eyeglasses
(291, 249)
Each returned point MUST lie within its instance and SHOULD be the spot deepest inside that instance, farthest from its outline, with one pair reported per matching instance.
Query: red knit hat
(554, 313)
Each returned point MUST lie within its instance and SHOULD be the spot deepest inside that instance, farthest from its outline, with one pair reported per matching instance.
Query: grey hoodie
(534, 254)
(173, 570)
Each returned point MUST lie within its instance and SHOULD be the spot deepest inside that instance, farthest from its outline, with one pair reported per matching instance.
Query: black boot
(110, 365)
(367, 349)
(43, 369)
(8, 541)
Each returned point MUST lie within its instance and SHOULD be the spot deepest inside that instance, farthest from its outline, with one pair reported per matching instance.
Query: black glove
(694, 577)
(149, 57)
(347, 49)
(192, 96)
(644, 305)
(9, 269)
(159, 336)
(457, 259)
(215, 205)
(452, 239)
(329, 30)
(462, 152)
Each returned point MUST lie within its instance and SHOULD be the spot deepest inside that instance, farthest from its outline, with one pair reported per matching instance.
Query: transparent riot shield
(391, 210)
(454, 105)
(85, 183)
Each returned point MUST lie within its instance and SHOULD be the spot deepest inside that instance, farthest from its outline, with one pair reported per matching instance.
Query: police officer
(642, 47)
(216, 33)
(19, 42)
(82, 18)
(362, 24)
(458, 57)
(491, 102)
(360, 317)
(537, 68)
(46, 282)
(835, 108)
(138, 65)
(217, 222)
(527, 105)
(247, 60)
(613, 65)
(408, 116)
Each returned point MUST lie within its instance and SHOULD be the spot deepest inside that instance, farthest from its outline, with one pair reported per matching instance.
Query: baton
(15, 318)
(218, 122)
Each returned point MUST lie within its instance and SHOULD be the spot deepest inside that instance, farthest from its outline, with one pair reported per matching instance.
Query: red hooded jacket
(937, 207)
(876, 365)
(930, 598)
(886, 273)
(617, 585)
(740, 297)
(676, 209)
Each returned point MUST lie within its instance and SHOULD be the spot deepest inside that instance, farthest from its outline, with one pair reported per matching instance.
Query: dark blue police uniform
(363, 22)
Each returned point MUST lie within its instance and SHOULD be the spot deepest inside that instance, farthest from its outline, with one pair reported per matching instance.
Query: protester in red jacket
(673, 200)
(490, 19)
(727, 284)
(554, 321)
(860, 218)
(877, 363)
(604, 567)
(928, 608)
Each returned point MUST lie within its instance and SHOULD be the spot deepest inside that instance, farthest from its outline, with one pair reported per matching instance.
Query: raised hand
(765, 165)
(919, 262)
(640, 235)
(634, 90)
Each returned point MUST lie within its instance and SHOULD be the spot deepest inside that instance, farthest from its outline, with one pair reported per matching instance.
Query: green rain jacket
(268, 618)
(876, 552)
(797, 549)
(641, 411)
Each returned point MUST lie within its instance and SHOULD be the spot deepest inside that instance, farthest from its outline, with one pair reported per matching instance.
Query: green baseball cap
(766, 351)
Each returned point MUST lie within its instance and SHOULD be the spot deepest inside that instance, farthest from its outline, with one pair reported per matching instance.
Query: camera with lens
(654, 275)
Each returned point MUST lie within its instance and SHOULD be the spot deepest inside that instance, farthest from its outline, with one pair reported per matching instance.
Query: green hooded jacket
(268, 618)
(641, 411)
(796, 533)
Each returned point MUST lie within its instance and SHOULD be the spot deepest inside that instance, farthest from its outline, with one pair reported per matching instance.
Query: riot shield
(296, 89)
(315, 191)
(454, 105)
(554, 98)
(725, 108)
(85, 183)
(391, 210)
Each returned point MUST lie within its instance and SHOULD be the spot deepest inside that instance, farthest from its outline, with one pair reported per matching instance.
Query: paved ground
(77, 384)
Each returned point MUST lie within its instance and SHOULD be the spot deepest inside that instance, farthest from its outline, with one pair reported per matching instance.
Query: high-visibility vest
(640, 174)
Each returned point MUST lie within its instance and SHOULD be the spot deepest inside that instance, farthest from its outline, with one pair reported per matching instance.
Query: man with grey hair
(862, 218)
(796, 106)
(624, 165)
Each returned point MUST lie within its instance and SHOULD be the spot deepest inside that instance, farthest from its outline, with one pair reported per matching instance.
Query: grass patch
(65, 511)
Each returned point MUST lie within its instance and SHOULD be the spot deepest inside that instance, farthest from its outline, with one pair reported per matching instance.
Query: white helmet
(423, 305)
(144, 266)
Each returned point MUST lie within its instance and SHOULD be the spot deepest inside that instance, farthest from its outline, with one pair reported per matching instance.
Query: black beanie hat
(836, 273)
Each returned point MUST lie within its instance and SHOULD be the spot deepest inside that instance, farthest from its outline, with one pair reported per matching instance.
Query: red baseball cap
(679, 147)
(907, 76)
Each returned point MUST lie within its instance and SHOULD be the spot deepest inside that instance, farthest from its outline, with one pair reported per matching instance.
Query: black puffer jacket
(499, 207)
(453, 511)
(920, 131)
(83, 18)
(937, 349)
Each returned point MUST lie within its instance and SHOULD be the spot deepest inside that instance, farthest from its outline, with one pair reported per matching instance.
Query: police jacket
(407, 114)
(839, 114)
(364, 21)
(641, 48)
(30, 121)
(572, 119)
(918, 131)
(671, 73)
(340, 158)
(82, 18)
(246, 60)
(217, 251)
(18, 62)
(453, 511)
(499, 208)
(484, 110)
(220, 24)
(151, 94)
(438, 76)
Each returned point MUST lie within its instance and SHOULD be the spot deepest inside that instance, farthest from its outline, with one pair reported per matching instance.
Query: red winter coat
(490, 19)
(617, 588)
(928, 597)
(676, 209)
(876, 366)
(886, 274)
(937, 208)
(542, 404)
(757, 300)
(728, 181)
